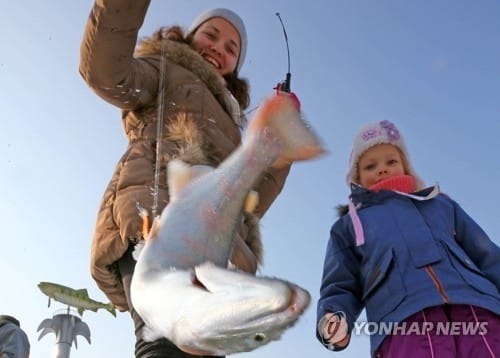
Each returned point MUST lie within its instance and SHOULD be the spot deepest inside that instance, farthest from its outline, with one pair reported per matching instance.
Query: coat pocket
(468, 270)
(383, 287)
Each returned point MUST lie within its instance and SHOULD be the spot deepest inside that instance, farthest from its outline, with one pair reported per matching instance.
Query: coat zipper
(438, 283)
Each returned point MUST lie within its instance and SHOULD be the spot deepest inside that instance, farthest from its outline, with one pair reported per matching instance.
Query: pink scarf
(401, 183)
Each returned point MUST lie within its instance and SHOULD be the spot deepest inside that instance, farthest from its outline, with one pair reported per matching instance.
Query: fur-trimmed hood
(342, 210)
(183, 55)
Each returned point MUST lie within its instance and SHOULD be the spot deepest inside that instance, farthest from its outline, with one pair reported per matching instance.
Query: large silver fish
(181, 286)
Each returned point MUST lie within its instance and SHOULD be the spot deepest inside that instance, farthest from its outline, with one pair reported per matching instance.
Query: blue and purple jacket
(415, 251)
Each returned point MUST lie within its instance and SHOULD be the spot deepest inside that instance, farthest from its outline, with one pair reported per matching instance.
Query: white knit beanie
(234, 19)
(371, 134)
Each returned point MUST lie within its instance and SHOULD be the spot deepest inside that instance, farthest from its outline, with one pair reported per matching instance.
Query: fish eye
(259, 337)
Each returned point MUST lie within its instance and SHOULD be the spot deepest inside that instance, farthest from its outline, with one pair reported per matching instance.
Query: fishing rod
(159, 130)
(285, 85)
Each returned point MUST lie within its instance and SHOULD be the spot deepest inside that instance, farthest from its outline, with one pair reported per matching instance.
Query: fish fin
(251, 201)
(80, 310)
(217, 279)
(83, 292)
(279, 113)
(49, 302)
(145, 226)
(111, 309)
(180, 174)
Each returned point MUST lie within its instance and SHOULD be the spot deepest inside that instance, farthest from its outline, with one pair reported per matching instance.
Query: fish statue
(78, 299)
(181, 286)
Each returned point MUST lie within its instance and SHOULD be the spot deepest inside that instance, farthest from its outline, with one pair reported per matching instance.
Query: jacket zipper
(438, 283)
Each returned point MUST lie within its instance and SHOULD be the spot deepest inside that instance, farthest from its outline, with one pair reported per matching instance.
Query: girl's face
(379, 162)
(218, 42)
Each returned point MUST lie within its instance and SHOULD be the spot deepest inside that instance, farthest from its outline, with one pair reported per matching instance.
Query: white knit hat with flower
(371, 134)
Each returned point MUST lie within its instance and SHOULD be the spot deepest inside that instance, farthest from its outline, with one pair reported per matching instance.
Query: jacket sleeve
(340, 287)
(13, 341)
(106, 54)
(478, 246)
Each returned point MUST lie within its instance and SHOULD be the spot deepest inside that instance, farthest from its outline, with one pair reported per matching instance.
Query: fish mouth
(299, 301)
(297, 304)
(281, 318)
(270, 326)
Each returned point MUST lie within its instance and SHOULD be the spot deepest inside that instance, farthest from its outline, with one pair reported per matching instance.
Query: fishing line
(159, 127)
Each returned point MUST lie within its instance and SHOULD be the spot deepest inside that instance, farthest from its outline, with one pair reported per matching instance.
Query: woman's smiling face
(218, 42)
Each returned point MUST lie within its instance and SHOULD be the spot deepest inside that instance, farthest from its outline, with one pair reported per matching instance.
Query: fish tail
(111, 309)
(281, 116)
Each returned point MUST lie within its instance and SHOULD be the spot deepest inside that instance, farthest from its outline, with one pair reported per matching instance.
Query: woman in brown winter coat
(194, 75)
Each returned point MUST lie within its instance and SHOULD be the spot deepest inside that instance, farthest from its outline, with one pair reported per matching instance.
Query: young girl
(190, 79)
(412, 257)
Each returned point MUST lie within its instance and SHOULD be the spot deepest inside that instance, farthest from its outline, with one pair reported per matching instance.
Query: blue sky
(432, 67)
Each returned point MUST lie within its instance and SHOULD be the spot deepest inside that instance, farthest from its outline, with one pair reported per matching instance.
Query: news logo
(332, 328)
